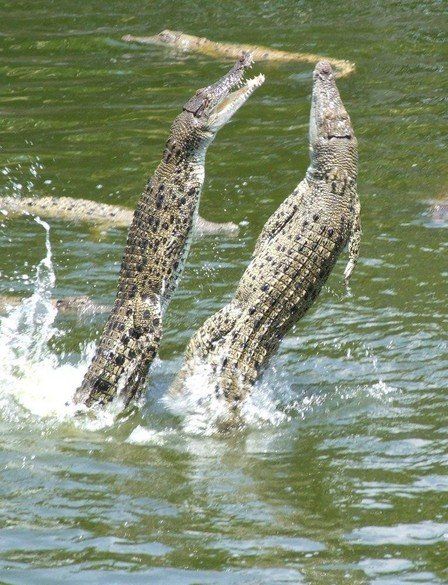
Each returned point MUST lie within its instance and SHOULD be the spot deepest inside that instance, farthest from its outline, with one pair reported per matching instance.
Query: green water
(351, 485)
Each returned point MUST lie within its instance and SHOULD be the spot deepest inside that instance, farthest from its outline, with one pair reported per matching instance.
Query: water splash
(275, 400)
(33, 378)
(204, 413)
(20, 178)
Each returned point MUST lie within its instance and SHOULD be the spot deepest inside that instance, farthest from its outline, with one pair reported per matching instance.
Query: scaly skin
(294, 255)
(158, 242)
(185, 42)
(103, 215)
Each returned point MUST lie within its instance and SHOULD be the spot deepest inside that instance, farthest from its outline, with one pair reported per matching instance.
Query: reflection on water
(340, 475)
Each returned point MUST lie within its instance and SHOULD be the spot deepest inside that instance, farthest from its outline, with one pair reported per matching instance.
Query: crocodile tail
(128, 346)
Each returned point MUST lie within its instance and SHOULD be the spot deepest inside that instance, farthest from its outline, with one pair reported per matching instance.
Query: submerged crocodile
(294, 255)
(158, 242)
(80, 305)
(185, 42)
(102, 215)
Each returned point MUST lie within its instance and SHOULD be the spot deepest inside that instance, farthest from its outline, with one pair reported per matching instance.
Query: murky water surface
(341, 475)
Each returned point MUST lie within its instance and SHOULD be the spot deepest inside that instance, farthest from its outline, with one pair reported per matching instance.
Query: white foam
(201, 410)
(145, 436)
(204, 413)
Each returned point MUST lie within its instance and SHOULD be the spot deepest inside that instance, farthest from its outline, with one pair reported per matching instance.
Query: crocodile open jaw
(223, 111)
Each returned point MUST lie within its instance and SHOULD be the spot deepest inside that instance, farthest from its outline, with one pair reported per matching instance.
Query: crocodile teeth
(255, 82)
(234, 100)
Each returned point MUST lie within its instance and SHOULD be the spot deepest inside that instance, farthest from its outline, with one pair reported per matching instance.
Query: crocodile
(185, 42)
(293, 257)
(80, 305)
(158, 242)
(102, 215)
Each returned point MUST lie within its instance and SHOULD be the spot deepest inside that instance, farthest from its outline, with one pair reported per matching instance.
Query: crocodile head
(332, 141)
(168, 37)
(212, 107)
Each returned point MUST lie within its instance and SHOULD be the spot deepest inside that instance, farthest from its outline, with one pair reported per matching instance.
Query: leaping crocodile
(294, 255)
(158, 242)
(102, 215)
(185, 42)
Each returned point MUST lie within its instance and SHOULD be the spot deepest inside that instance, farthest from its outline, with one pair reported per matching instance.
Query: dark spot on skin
(316, 217)
(119, 360)
(135, 332)
(125, 339)
(128, 312)
(101, 385)
(305, 223)
(182, 200)
(132, 354)
(156, 321)
(265, 287)
(252, 310)
(330, 231)
(224, 362)
(146, 314)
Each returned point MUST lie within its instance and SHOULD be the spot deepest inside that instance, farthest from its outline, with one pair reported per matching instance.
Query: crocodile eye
(201, 108)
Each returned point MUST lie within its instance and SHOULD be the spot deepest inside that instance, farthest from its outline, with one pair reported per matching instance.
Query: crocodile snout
(323, 68)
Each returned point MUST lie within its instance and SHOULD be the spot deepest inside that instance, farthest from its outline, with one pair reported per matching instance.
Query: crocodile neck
(162, 226)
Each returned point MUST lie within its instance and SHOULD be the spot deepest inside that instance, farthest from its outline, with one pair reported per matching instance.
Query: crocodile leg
(355, 241)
